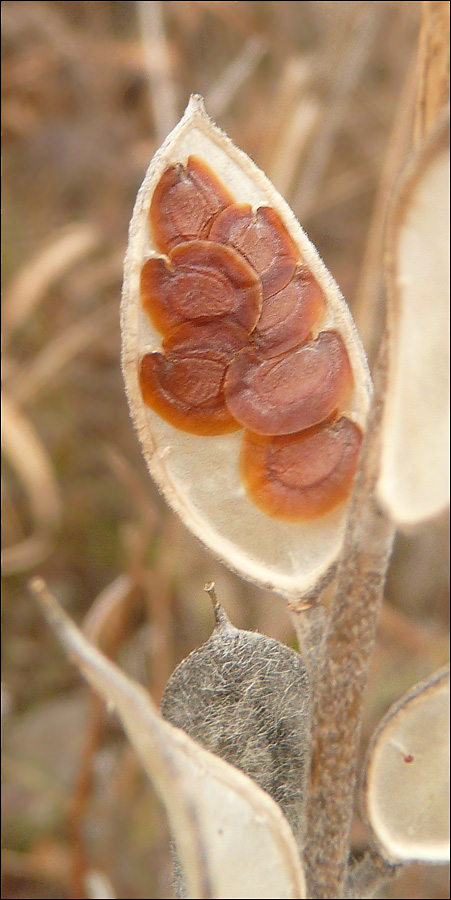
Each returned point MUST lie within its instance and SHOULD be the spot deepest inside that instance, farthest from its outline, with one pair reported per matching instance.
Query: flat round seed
(302, 476)
(287, 318)
(262, 239)
(185, 202)
(184, 383)
(290, 392)
(201, 282)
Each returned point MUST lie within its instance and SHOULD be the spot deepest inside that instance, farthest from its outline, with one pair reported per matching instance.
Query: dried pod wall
(245, 377)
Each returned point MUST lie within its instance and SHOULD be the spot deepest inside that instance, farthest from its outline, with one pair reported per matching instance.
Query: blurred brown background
(312, 91)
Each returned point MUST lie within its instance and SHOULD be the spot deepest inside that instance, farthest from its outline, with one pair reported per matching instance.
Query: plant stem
(349, 643)
(309, 623)
(432, 66)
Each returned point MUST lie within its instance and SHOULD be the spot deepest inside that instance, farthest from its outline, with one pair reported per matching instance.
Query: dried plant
(251, 395)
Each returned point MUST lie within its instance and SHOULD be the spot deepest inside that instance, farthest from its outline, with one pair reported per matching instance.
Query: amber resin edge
(290, 585)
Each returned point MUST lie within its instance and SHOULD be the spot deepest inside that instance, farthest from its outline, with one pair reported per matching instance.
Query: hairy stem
(309, 623)
(348, 648)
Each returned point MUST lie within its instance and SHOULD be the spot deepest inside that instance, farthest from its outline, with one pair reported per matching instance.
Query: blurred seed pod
(406, 793)
(414, 480)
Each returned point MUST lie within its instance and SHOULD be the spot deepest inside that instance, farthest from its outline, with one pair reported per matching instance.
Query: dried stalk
(348, 646)
(67, 247)
(157, 57)
(354, 56)
(34, 470)
(433, 66)
(226, 88)
(367, 306)
(45, 369)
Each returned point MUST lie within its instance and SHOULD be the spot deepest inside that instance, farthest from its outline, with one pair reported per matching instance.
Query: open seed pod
(245, 377)
(407, 775)
(414, 478)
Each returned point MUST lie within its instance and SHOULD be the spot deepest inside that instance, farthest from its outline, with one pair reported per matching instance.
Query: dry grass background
(312, 91)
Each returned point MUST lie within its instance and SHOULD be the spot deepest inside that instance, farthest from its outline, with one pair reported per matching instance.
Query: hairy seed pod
(245, 697)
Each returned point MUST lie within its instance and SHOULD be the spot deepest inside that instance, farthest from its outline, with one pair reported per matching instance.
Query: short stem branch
(310, 627)
(369, 875)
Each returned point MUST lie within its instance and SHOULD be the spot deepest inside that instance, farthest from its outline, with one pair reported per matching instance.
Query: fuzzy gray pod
(245, 697)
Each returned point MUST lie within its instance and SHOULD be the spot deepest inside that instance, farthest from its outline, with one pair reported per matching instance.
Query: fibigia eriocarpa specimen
(245, 376)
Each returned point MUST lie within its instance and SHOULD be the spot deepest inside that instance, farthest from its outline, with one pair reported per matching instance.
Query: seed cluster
(236, 309)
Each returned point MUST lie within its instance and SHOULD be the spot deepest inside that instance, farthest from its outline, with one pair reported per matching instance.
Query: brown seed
(290, 392)
(302, 476)
(262, 239)
(202, 282)
(287, 318)
(185, 201)
(184, 384)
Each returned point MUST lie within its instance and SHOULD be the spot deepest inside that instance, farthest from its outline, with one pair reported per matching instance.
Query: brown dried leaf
(29, 460)
(56, 356)
(26, 292)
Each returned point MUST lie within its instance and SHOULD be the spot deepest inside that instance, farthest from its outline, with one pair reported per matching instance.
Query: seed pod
(406, 789)
(245, 698)
(414, 483)
(212, 245)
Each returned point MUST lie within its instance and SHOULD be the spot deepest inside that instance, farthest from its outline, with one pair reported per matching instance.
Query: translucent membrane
(407, 775)
(414, 482)
(174, 382)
